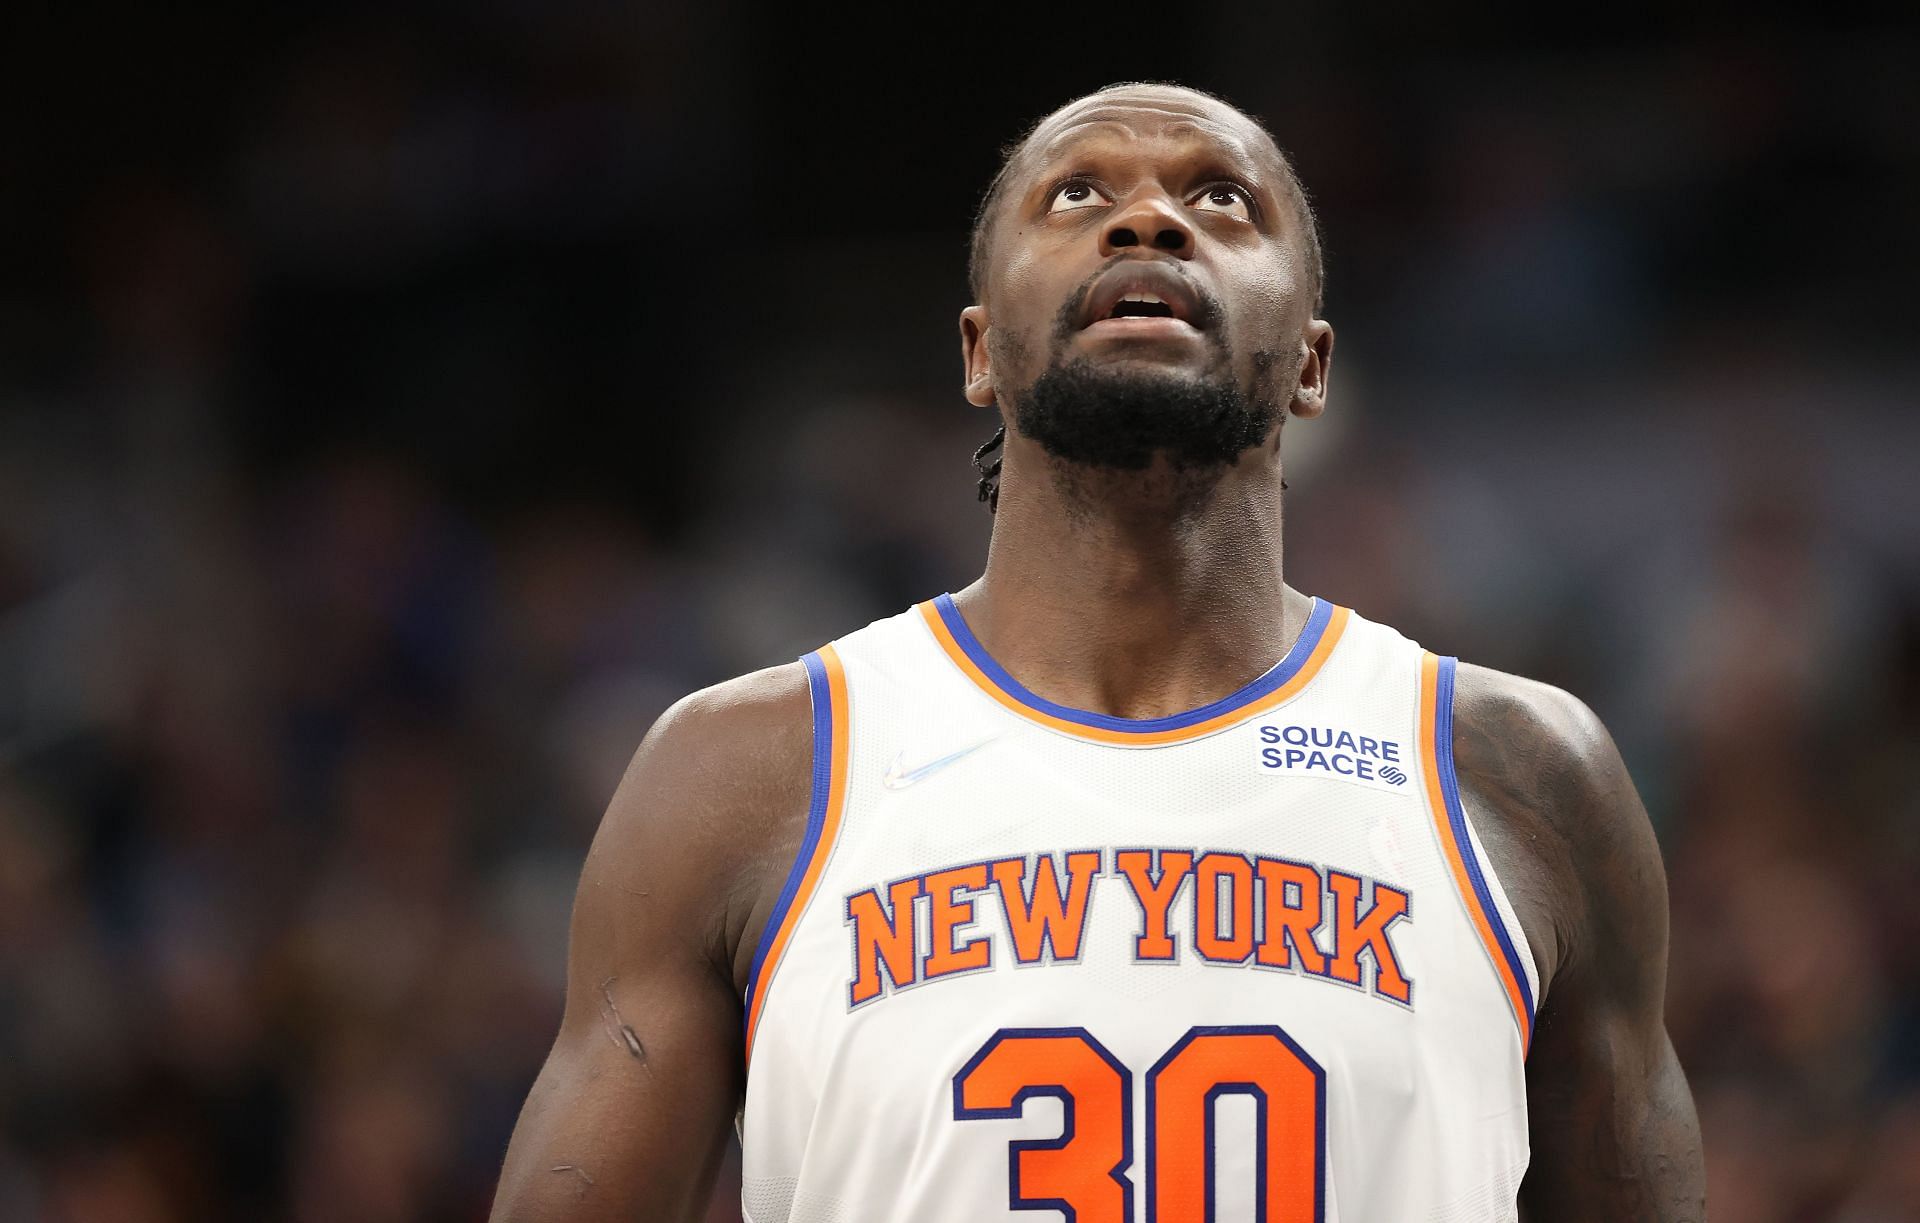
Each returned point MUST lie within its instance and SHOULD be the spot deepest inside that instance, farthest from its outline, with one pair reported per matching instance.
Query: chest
(1280, 863)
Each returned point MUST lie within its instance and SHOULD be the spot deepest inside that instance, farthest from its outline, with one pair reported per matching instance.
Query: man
(1061, 894)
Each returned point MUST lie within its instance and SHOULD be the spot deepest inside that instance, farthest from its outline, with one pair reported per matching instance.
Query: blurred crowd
(396, 417)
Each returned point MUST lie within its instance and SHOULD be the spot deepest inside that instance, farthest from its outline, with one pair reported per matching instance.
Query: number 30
(1083, 1172)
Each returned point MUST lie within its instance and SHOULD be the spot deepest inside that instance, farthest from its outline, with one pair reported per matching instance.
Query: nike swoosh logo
(897, 778)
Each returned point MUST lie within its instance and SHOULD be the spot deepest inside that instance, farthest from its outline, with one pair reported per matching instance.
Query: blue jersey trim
(1457, 817)
(822, 697)
(1281, 672)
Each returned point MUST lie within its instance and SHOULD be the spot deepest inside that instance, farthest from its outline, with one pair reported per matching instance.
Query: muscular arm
(629, 1116)
(1613, 1129)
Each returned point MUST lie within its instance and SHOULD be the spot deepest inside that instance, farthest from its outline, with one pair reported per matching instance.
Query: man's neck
(1125, 595)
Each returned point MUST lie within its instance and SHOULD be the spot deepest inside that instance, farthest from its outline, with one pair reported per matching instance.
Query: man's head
(1144, 191)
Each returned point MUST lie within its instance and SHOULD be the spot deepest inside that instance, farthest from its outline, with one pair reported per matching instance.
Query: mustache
(1208, 318)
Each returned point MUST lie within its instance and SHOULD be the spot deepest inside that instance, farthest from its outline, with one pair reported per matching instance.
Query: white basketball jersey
(1243, 963)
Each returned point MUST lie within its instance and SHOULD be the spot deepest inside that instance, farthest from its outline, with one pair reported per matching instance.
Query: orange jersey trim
(829, 686)
(1449, 821)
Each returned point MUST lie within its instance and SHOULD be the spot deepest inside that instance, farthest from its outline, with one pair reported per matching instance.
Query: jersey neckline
(1325, 624)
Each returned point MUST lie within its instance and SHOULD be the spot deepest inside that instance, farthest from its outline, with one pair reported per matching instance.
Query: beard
(1121, 419)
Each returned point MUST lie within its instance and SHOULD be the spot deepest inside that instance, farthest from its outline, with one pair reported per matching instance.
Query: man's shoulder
(709, 807)
(728, 743)
(760, 702)
(1512, 731)
(1542, 764)
(721, 768)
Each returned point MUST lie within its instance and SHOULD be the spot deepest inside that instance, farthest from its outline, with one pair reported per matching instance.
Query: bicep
(1613, 1128)
(630, 1114)
(1612, 1122)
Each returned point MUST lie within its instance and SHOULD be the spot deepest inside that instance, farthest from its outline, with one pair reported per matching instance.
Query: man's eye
(1076, 194)
(1225, 197)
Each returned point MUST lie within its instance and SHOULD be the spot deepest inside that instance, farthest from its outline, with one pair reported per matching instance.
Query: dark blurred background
(399, 407)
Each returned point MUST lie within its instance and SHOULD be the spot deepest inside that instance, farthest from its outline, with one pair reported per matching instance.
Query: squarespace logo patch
(1334, 753)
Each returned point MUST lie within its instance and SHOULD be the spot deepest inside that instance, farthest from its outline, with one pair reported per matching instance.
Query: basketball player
(1127, 883)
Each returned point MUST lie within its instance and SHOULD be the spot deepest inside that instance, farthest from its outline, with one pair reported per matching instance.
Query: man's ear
(1310, 394)
(975, 362)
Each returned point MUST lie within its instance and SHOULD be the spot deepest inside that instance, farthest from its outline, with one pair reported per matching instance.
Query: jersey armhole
(1488, 909)
(827, 689)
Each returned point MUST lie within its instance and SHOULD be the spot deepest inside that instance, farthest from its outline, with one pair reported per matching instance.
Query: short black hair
(979, 251)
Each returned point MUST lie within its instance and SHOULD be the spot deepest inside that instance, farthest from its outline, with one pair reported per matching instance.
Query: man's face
(1146, 193)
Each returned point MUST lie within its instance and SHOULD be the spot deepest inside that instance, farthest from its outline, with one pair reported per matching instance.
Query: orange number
(1083, 1172)
(1289, 1092)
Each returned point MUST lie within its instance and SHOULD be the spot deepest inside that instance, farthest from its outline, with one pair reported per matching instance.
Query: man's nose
(1147, 218)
